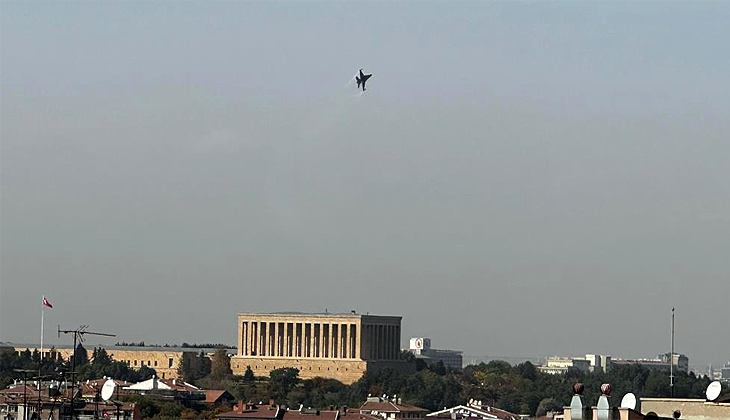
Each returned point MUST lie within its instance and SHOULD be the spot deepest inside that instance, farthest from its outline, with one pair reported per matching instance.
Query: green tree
(220, 365)
(547, 404)
(281, 381)
(192, 368)
(81, 357)
(248, 375)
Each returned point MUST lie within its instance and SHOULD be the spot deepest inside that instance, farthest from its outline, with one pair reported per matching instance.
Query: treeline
(521, 389)
(100, 365)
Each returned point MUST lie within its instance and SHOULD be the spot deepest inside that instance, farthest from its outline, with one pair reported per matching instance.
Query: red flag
(46, 302)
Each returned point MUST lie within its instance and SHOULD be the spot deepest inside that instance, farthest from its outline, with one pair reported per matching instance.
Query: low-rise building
(476, 410)
(661, 362)
(271, 411)
(19, 408)
(556, 365)
(164, 360)
(391, 408)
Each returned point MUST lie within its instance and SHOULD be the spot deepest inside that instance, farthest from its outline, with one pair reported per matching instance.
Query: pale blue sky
(519, 179)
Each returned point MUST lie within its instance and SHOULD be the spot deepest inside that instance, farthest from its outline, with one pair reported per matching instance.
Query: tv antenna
(671, 359)
(79, 334)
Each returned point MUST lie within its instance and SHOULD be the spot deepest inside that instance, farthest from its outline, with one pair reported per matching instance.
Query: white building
(421, 347)
(475, 410)
(556, 365)
(599, 362)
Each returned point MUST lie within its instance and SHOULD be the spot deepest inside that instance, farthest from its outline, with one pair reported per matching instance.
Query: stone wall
(345, 371)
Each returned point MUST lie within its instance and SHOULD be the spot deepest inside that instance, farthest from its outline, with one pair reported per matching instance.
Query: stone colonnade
(317, 336)
(299, 339)
(382, 341)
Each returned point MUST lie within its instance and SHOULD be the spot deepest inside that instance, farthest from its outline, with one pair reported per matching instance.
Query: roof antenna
(671, 359)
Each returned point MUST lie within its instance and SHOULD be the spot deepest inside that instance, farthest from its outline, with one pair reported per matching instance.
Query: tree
(547, 404)
(81, 357)
(220, 365)
(192, 368)
(281, 381)
(248, 375)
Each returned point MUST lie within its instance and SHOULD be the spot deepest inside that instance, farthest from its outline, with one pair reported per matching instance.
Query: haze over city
(518, 180)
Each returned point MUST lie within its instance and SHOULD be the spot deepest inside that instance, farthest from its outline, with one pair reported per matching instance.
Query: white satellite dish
(713, 391)
(107, 390)
(629, 401)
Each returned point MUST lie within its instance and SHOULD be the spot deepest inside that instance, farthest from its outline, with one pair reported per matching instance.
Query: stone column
(240, 337)
(262, 338)
(371, 341)
(397, 338)
(272, 338)
(287, 339)
(396, 342)
(276, 339)
(386, 331)
(357, 340)
(376, 342)
(299, 340)
(252, 338)
(392, 342)
(336, 341)
(311, 339)
(318, 338)
(245, 338)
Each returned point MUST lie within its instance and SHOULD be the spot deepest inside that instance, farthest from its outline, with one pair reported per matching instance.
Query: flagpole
(40, 363)
(43, 311)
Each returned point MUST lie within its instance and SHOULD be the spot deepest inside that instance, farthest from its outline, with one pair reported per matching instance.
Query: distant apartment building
(556, 365)
(338, 346)
(421, 347)
(722, 374)
(599, 362)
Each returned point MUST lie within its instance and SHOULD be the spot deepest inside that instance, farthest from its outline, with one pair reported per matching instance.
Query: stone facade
(339, 346)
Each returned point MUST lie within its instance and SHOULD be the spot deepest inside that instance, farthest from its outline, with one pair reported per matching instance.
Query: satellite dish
(107, 390)
(629, 401)
(713, 391)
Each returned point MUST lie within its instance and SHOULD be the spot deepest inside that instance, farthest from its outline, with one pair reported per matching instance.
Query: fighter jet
(362, 79)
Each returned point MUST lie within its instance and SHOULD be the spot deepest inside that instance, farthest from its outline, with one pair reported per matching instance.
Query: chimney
(272, 402)
(578, 408)
(604, 409)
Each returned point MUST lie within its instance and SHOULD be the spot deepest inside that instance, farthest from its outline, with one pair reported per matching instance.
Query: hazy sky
(519, 179)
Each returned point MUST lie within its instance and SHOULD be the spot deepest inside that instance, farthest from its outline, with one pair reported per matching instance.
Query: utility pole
(671, 359)
(25, 390)
(78, 336)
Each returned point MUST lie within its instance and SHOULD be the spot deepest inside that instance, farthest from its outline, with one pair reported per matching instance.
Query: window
(135, 363)
(155, 363)
(169, 362)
